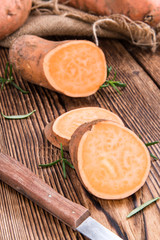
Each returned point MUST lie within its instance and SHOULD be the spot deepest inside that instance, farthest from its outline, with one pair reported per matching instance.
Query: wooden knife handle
(26, 182)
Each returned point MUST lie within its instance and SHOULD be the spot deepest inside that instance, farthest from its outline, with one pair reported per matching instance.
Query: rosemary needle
(20, 89)
(136, 210)
(68, 163)
(15, 117)
(64, 169)
(62, 159)
(50, 164)
(153, 156)
(151, 143)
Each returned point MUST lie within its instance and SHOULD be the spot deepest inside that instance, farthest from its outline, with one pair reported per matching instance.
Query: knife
(72, 214)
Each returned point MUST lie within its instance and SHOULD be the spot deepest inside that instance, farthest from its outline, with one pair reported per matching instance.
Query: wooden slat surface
(138, 106)
(148, 60)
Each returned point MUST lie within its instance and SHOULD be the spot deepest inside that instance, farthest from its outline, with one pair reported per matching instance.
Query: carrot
(12, 15)
(111, 161)
(60, 131)
(144, 10)
(76, 68)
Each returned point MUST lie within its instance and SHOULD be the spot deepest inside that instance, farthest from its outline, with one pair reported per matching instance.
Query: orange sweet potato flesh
(13, 13)
(111, 161)
(143, 10)
(75, 68)
(61, 129)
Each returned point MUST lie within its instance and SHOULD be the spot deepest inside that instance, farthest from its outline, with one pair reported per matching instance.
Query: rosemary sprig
(151, 143)
(62, 159)
(8, 79)
(112, 82)
(136, 210)
(15, 117)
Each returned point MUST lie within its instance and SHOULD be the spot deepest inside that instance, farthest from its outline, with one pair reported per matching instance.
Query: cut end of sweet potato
(111, 161)
(76, 68)
(61, 130)
(55, 139)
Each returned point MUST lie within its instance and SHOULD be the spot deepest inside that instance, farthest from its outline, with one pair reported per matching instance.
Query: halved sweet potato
(76, 68)
(61, 130)
(111, 161)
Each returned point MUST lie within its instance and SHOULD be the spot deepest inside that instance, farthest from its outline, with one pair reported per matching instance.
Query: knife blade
(96, 231)
(23, 180)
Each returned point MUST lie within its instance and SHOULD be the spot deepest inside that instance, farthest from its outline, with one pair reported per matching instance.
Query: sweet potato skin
(27, 54)
(144, 10)
(54, 138)
(13, 13)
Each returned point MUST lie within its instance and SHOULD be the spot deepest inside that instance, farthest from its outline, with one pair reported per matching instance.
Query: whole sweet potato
(13, 13)
(144, 10)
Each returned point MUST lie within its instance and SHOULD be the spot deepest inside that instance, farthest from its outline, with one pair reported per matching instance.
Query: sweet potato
(13, 13)
(111, 161)
(144, 10)
(76, 68)
(61, 130)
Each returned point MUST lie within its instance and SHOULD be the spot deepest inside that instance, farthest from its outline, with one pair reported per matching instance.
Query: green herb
(112, 82)
(151, 143)
(136, 210)
(15, 117)
(62, 159)
(153, 156)
(8, 79)
(109, 69)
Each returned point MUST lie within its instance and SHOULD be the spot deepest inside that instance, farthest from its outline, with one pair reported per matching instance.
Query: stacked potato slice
(110, 160)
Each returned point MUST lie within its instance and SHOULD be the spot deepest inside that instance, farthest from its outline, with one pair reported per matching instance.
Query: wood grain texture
(138, 106)
(149, 61)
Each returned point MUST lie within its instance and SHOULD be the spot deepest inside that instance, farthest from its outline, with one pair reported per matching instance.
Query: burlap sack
(49, 18)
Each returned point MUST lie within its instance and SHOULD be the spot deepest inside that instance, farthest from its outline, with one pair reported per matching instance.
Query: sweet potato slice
(76, 68)
(111, 161)
(61, 130)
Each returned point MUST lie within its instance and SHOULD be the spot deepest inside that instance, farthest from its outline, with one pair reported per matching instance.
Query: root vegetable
(13, 14)
(111, 161)
(144, 10)
(61, 130)
(75, 68)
